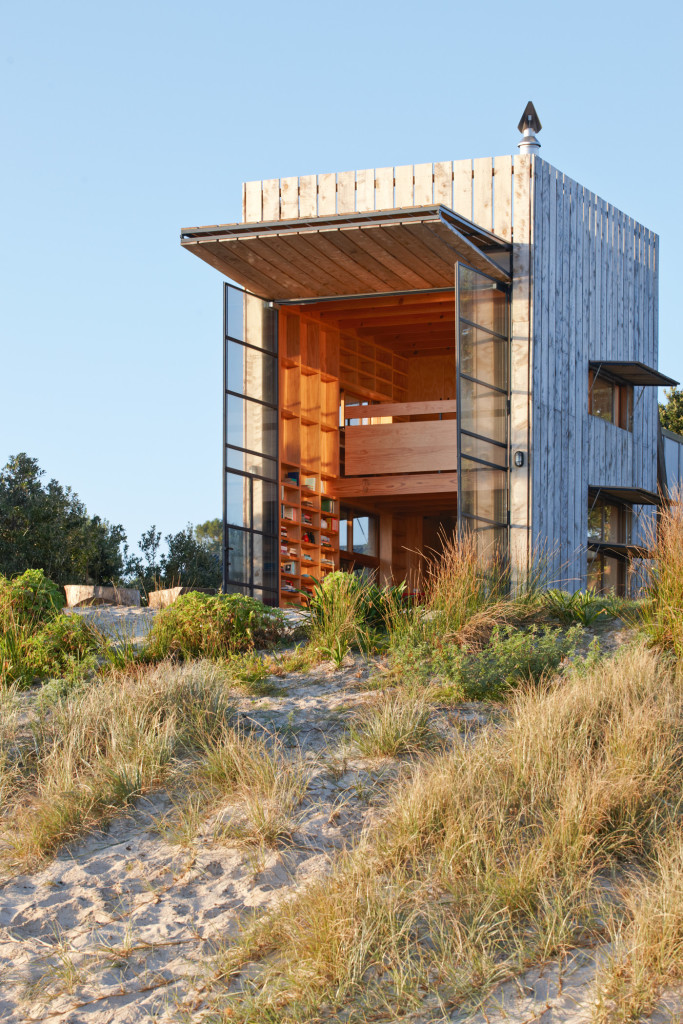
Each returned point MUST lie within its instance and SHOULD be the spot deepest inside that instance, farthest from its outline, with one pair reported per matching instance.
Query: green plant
(337, 614)
(202, 626)
(36, 640)
(583, 606)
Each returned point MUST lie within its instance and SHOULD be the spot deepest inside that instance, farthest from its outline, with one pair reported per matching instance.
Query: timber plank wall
(594, 274)
(585, 287)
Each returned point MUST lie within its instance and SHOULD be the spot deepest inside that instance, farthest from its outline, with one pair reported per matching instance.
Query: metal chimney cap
(529, 120)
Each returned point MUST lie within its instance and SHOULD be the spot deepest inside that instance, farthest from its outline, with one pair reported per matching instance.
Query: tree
(188, 562)
(46, 526)
(671, 414)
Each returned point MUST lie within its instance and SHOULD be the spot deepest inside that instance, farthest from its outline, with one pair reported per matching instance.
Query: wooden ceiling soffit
(377, 253)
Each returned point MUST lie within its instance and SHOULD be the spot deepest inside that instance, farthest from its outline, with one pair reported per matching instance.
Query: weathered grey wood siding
(594, 274)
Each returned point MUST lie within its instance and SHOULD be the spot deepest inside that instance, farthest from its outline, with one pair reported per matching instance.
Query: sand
(119, 927)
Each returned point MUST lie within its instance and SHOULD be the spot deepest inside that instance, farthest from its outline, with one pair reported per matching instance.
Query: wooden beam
(418, 485)
(403, 409)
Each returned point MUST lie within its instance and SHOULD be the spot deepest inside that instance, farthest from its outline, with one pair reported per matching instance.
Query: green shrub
(510, 657)
(202, 626)
(513, 656)
(36, 641)
(29, 599)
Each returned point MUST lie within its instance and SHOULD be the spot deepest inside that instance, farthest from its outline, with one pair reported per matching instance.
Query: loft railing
(400, 437)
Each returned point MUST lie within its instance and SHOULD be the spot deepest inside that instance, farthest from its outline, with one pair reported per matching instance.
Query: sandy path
(117, 928)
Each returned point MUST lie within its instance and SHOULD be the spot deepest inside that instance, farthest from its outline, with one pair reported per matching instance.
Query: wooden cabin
(409, 350)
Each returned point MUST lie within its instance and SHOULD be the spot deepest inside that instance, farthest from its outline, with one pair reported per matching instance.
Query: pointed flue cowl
(529, 124)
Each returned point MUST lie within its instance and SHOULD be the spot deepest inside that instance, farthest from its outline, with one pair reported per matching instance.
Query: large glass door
(250, 447)
(482, 381)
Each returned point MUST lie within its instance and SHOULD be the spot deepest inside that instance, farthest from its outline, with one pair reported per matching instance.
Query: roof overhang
(633, 373)
(631, 495)
(362, 253)
(621, 551)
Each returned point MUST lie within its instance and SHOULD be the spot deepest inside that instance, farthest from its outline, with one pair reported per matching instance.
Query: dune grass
(89, 752)
(662, 615)
(494, 856)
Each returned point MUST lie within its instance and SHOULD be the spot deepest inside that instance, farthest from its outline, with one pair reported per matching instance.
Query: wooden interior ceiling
(410, 325)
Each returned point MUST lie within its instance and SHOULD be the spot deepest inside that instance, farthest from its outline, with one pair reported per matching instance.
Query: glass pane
(265, 511)
(236, 588)
(239, 555)
(484, 492)
(251, 372)
(266, 561)
(482, 302)
(365, 535)
(238, 500)
(602, 400)
(491, 542)
(260, 321)
(483, 356)
(482, 410)
(251, 425)
(247, 463)
(344, 533)
(485, 450)
(234, 312)
(595, 523)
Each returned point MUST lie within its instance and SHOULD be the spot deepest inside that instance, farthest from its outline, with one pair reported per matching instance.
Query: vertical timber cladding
(494, 193)
(594, 273)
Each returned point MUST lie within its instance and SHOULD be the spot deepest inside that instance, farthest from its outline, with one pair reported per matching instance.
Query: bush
(513, 656)
(36, 641)
(202, 626)
(29, 599)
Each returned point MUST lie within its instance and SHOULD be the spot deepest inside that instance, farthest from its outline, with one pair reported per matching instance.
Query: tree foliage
(671, 414)
(188, 561)
(46, 526)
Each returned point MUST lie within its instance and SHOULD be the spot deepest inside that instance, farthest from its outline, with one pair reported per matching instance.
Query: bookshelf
(315, 362)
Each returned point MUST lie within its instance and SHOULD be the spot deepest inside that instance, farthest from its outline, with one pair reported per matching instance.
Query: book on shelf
(306, 556)
(327, 505)
(327, 563)
(325, 542)
(307, 503)
(288, 513)
(291, 478)
(306, 519)
(310, 483)
(287, 587)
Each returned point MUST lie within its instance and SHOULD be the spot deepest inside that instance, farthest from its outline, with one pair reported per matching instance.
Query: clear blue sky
(122, 123)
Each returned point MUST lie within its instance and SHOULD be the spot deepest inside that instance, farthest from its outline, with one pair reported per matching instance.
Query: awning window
(632, 373)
